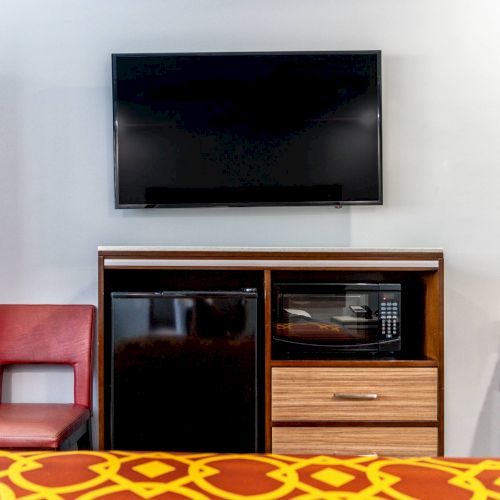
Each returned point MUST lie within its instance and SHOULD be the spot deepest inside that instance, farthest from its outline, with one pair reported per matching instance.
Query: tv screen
(278, 128)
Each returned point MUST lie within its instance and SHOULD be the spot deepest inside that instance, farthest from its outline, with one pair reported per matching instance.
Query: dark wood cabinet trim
(350, 423)
(365, 363)
(267, 359)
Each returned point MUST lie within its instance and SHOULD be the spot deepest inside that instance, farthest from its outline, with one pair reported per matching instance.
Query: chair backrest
(50, 334)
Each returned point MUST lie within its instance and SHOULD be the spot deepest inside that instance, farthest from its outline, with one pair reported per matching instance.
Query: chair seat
(39, 425)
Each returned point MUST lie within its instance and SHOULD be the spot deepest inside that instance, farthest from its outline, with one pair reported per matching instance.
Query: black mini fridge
(185, 372)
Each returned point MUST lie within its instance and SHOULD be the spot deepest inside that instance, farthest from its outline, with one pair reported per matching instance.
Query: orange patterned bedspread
(124, 475)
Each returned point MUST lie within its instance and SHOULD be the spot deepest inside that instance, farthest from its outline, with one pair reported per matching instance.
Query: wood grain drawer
(308, 394)
(390, 441)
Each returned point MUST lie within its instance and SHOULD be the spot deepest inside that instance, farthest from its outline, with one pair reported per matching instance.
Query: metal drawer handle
(362, 396)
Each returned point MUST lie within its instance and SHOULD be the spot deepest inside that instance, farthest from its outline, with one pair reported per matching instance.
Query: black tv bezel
(336, 203)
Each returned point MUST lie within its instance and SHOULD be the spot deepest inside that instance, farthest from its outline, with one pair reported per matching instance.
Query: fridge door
(184, 371)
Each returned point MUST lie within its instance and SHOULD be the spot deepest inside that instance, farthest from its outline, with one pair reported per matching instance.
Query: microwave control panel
(389, 318)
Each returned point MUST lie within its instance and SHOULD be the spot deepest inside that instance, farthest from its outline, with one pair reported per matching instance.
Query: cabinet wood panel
(308, 394)
(410, 386)
(390, 441)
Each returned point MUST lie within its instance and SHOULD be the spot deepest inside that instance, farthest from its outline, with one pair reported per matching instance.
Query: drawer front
(338, 394)
(388, 441)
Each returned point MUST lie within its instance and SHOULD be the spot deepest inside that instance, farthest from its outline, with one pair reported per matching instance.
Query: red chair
(49, 334)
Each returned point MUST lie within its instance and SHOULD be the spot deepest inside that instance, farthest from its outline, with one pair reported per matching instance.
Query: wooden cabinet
(370, 410)
(364, 405)
(389, 441)
(354, 394)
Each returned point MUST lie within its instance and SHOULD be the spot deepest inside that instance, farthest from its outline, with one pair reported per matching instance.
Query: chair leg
(79, 440)
(85, 442)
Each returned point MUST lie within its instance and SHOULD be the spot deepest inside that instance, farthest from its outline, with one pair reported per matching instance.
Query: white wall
(441, 108)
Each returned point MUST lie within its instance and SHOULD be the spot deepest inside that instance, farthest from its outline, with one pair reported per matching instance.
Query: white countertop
(259, 249)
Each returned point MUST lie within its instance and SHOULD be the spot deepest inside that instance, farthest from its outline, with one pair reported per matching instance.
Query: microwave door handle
(355, 396)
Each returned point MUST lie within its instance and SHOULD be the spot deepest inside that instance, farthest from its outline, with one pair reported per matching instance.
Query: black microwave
(321, 319)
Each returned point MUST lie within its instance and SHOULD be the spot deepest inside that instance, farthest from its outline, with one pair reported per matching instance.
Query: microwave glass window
(330, 318)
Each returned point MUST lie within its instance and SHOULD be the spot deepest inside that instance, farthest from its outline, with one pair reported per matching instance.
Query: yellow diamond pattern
(153, 469)
(332, 477)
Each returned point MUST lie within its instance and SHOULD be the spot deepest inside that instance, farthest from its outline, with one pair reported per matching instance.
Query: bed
(117, 475)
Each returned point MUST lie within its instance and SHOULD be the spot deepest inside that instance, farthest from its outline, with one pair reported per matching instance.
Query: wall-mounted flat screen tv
(236, 129)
